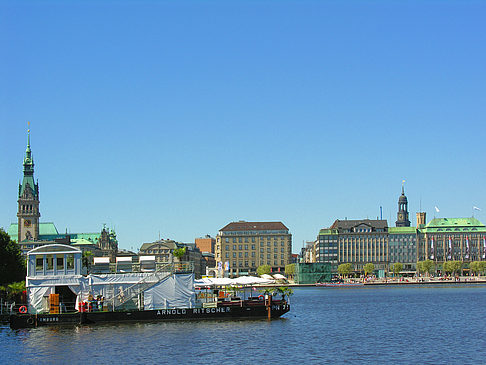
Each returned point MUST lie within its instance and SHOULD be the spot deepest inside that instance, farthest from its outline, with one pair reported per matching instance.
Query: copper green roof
(453, 225)
(402, 230)
(45, 229)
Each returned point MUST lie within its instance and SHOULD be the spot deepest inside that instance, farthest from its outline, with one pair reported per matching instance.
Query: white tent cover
(175, 291)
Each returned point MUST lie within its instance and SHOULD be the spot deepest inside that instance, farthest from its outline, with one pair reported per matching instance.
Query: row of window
(253, 239)
(253, 263)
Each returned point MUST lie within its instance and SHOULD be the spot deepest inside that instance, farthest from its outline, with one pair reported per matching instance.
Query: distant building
(447, 239)
(162, 250)
(206, 244)
(246, 245)
(402, 247)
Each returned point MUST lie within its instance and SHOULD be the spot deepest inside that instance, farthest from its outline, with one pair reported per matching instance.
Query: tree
(428, 266)
(397, 267)
(12, 265)
(87, 260)
(369, 268)
(477, 267)
(290, 270)
(344, 269)
(179, 253)
(264, 269)
(420, 267)
(456, 266)
(285, 291)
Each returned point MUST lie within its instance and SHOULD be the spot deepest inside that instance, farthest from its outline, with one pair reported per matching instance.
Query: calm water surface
(426, 325)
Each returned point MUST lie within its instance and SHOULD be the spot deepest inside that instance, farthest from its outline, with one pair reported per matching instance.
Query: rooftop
(254, 226)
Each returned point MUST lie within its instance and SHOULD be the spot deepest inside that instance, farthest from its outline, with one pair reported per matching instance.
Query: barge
(59, 294)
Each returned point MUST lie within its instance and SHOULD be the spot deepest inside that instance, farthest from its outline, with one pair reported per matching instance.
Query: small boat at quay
(59, 294)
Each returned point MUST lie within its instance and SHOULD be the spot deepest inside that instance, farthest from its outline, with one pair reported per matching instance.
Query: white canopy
(266, 276)
(251, 280)
(124, 259)
(101, 260)
(279, 277)
(243, 280)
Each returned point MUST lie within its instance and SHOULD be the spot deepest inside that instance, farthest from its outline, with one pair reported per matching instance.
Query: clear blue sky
(183, 116)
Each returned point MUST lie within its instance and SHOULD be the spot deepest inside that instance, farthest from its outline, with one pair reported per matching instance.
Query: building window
(234, 239)
(253, 239)
(227, 239)
(239, 239)
(246, 239)
(227, 247)
(240, 247)
(234, 254)
(240, 254)
(252, 247)
(227, 254)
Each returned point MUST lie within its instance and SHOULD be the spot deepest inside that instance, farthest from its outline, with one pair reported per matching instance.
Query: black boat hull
(221, 312)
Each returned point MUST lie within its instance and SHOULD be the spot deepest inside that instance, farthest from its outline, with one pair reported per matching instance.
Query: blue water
(408, 325)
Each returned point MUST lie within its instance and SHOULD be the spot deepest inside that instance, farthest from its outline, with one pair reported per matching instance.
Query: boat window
(39, 263)
(60, 263)
(70, 262)
(50, 262)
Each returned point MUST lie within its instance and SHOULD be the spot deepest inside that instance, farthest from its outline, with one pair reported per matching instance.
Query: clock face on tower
(27, 223)
(400, 216)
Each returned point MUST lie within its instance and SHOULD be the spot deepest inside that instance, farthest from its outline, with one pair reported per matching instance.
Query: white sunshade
(214, 282)
(147, 258)
(124, 259)
(101, 260)
(279, 277)
(251, 280)
(266, 276)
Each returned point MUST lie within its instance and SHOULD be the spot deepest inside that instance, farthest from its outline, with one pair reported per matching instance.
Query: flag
(437, 209)
(220, 266)
(450, 248)
(476, 208)
(484, 247)
(226, 266)
(432, 248)
(467, 247)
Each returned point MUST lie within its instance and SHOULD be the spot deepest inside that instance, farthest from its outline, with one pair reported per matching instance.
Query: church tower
(28, 211)
(402, 215)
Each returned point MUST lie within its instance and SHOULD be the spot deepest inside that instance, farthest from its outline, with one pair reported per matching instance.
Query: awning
(124, 259)
(101, 260)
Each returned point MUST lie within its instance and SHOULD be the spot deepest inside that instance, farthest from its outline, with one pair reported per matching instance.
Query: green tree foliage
(452, 267)
(179, 253)
(369, 268)
(427, 266)
(264, 269)
(285, 291)
(290, 269)
(397, 267)
(87, 259)
(345, 269)
(478, 267)
(12, 265)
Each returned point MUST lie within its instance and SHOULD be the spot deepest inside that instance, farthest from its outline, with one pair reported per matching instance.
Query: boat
(58, 293)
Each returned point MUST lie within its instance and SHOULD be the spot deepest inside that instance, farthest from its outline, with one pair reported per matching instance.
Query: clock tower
(402, 215)
(28, 210)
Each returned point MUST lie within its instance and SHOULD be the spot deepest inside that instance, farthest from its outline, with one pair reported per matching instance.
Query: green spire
(28, 179)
